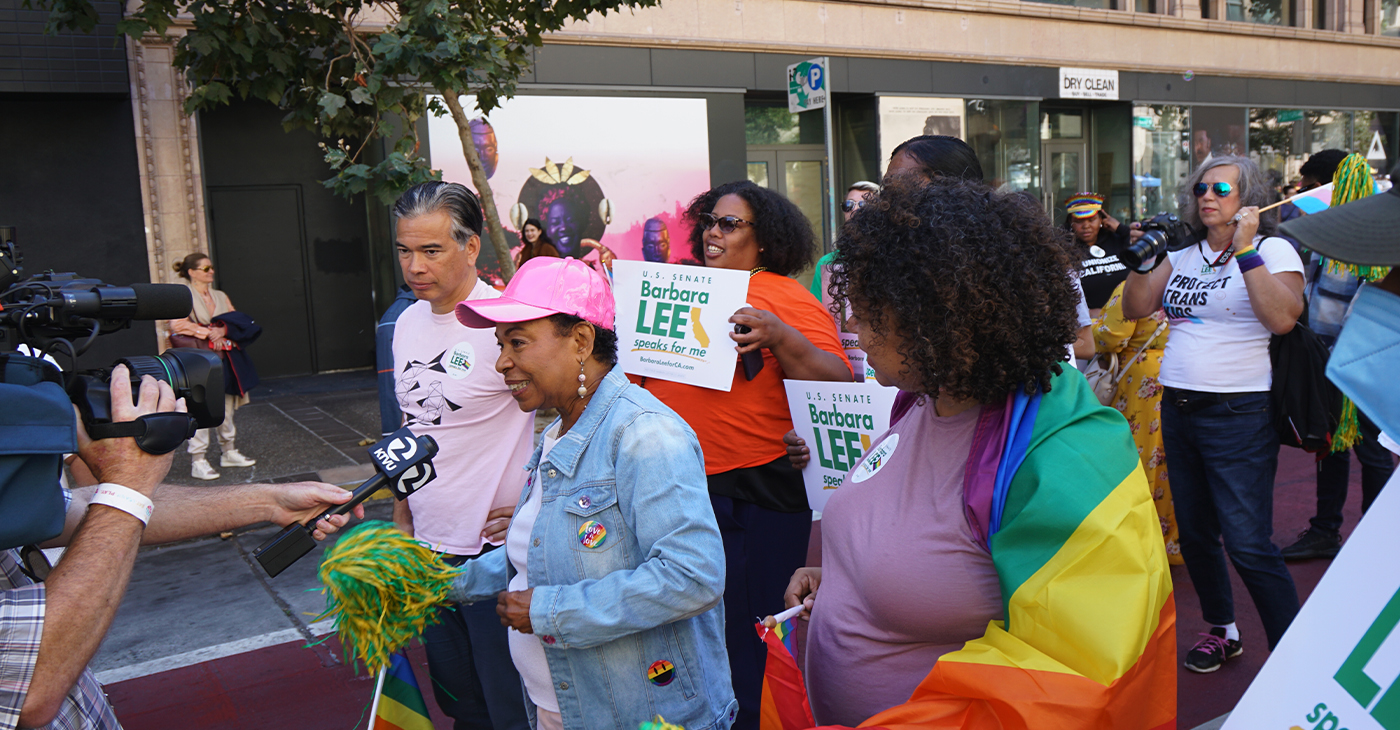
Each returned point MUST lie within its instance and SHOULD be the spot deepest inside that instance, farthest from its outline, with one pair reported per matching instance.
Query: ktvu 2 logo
(1384, 707)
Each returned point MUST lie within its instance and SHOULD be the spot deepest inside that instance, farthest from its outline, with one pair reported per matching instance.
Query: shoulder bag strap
(1123, 365)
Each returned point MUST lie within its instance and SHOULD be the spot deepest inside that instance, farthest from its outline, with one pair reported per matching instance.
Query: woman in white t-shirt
(1225, 296)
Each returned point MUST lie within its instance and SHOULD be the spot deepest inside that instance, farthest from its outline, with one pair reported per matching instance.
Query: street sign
(807, 85)
(1144, 122)
(1088, 83)
(1377, 150)
(1289, 115)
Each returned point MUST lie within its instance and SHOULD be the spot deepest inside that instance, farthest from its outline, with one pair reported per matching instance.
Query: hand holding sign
(839, 423)
(670, 319)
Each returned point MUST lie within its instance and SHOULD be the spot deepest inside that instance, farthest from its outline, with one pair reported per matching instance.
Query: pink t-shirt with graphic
(903, 579)
(447, 385)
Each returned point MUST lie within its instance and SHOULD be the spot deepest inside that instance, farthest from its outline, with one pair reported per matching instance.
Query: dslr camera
(61, 314)
(1161, 233)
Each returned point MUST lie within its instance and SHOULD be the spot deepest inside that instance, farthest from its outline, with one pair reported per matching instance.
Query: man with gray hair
(448, 388)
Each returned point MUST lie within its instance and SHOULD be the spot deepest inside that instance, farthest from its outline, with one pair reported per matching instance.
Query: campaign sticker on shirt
(460, 360)
(661, 672)
(876, 460)
(592, 534)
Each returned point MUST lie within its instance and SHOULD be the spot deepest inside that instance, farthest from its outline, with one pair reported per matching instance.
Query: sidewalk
(204, 639)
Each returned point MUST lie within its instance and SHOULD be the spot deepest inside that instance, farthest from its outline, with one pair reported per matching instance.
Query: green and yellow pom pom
(658, 723)
(382, 587)
(1353, 181)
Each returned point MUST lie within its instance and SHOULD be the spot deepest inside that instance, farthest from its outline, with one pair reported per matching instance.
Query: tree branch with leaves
(354, 72)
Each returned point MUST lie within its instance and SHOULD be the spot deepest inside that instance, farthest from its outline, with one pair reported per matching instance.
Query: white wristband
(125, 499)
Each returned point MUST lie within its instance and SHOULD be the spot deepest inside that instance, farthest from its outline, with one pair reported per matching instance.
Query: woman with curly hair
(1225, 296)
(758, 497)
(993, 560)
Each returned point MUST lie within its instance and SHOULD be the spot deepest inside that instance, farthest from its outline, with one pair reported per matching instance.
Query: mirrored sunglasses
(1221, 189)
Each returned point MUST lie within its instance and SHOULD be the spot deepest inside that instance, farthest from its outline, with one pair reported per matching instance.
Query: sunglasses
(849, 205)
(1221, 189)
(726, 224)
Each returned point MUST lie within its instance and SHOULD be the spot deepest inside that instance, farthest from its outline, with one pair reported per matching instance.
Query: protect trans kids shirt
(1216, 344)
(447, 385)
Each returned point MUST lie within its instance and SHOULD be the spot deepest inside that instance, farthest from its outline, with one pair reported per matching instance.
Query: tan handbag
(1104, 380)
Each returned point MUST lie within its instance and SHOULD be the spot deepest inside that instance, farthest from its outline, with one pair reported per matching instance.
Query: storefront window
(1161, 157)
(1006, 137)
(1102, 4)
(1268, 12)
(1390, 17)
(767, 123)
(1375, 134)
(857, 141)
(1283, 139)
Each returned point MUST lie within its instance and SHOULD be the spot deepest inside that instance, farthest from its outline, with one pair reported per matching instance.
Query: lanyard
(1221, 260)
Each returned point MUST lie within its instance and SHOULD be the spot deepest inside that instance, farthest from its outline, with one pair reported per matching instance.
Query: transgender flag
(1314, 201)
(398, 702)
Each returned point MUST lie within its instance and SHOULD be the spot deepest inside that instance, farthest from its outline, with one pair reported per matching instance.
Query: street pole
(830, 155)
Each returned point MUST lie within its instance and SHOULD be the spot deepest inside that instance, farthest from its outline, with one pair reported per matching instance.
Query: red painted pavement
(289, 686)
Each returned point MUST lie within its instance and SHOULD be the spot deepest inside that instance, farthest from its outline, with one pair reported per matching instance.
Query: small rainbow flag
(784, 705)
(398, 701)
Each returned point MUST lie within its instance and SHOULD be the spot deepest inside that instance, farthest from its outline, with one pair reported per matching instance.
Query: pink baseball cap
(543, 287)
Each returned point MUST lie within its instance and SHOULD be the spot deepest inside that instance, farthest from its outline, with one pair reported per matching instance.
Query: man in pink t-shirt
(448, 388)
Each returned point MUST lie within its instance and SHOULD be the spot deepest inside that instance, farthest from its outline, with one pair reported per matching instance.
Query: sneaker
(200, 469)
(231, 457)
(1212, 651)
(1313, 544)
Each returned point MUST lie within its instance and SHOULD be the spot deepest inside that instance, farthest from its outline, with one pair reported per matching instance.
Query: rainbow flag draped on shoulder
(398, 702)
(1089, 635)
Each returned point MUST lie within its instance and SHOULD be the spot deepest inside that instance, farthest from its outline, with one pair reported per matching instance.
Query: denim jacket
(627, 568)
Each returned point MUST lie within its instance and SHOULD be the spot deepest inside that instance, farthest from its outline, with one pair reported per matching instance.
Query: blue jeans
(473, 676)
(1221, 460)
(762, 549)
(1334, 471)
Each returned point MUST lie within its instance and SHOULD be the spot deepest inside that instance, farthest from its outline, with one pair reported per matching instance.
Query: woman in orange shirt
(758, 497)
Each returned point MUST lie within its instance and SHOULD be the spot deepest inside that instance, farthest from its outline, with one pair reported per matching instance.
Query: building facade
(1115, 97)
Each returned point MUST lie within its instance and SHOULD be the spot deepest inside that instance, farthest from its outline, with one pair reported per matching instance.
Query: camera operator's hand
(1246, 225)
(120, 460)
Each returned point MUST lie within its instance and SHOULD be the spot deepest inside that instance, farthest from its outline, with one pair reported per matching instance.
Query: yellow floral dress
(1139, 398)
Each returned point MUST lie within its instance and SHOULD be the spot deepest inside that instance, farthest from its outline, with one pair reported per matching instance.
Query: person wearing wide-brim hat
(614, 567)
(1366, 357)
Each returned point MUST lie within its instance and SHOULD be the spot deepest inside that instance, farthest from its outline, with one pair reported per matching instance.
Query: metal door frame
(777, 154)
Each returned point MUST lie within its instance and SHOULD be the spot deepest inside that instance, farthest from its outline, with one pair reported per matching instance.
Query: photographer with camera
(51, 623)
(1227, 288)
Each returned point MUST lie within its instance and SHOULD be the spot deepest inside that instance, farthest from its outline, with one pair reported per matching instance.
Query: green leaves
(338, 73)
(331, 103)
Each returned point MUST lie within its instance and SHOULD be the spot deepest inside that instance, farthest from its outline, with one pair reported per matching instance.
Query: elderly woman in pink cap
(613, 569)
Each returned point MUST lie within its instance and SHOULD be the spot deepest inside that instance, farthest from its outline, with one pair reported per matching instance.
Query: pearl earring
(582, 389)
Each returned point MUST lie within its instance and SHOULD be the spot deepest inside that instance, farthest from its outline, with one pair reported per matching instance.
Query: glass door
(1064, 174)
(799, 173)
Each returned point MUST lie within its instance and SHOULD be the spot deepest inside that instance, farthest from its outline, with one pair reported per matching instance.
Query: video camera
(59, 314)
(1161, 233)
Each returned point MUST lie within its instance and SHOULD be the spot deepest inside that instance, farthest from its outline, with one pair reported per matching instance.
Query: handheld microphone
(403, 463)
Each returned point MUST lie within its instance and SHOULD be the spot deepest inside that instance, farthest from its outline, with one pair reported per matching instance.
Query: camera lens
(1142, 249)
(195, 375)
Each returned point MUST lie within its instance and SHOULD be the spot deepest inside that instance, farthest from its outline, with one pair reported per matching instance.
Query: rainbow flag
(1088, 639)
(784, 705)
(398, 702)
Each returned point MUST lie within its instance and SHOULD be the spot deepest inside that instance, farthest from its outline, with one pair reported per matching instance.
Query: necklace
(756, 269)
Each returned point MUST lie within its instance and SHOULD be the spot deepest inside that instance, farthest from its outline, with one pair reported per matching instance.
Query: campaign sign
(1339, 664)
(673, 321)
(839, 421)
